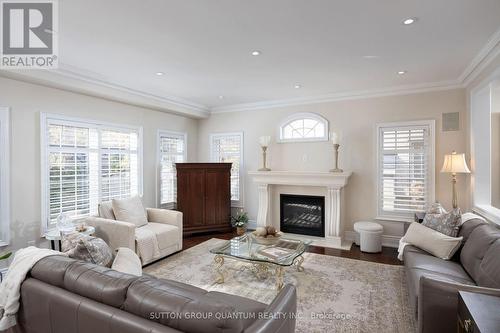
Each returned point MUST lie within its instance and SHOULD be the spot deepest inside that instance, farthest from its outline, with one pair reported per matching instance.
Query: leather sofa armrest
(438, 303)
(115, 233)
(280, 315)
(165, 216)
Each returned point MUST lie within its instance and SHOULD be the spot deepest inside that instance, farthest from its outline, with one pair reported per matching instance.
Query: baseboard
(387, 240)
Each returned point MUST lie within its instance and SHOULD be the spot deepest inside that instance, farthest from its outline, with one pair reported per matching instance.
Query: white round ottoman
(369, 236)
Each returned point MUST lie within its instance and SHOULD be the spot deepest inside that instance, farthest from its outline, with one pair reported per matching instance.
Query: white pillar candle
(264, 141)
(335, 138)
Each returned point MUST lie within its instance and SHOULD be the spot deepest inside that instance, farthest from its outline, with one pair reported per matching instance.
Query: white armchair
(160, 237)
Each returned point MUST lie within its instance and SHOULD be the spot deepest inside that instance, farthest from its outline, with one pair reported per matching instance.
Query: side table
(478, 313)
(54, 236)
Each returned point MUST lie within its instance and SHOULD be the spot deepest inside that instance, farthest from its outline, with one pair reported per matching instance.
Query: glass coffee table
(263, 260)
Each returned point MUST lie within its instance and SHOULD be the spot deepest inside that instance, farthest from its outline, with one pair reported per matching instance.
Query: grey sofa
(62, 295)
(433, 283)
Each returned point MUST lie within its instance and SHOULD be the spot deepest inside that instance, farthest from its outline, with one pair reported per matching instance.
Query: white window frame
(159, 135)
(234, 203)
(5, 176)
(381, 215)
(300, 116)
(62, 119)
(480, 103)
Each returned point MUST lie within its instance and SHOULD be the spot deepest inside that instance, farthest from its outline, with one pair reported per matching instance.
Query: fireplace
(302, 214)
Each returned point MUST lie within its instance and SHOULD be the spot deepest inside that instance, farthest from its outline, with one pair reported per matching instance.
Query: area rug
(333, 294)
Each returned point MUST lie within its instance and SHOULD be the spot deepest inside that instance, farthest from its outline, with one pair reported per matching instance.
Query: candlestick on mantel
(335, 140)
(264, 143)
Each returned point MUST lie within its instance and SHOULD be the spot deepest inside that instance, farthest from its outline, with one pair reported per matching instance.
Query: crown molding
(484, 57)
(67, 78)
(334, 97)
(93, 84)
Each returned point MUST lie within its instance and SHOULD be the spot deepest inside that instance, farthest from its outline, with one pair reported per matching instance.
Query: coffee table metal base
(262, 270)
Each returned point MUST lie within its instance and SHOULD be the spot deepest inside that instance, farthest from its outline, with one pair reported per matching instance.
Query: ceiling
(329, 47)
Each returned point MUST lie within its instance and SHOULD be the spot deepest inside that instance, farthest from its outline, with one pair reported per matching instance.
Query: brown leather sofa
(433, 283)
(62, 295)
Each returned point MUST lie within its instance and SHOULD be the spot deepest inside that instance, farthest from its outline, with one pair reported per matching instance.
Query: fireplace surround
(302, 214)
(329, 184)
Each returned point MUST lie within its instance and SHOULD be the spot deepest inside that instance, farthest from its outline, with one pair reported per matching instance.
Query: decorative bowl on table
(266, 235)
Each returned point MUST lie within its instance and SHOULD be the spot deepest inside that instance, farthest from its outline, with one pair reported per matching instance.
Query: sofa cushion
(474, 251)
(445, 223)
(130, 210)
(166, 234)
(148, 296)
(101, 284)
(432, 241)
(413, 276)
(105, 210)
(127, 261)
(432, 264)
(87, 248)
(489, 269)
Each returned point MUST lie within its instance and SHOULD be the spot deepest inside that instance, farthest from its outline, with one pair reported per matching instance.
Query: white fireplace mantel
(333, 182)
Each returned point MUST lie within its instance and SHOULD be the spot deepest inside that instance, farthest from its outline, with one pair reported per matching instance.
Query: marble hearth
(273, 183)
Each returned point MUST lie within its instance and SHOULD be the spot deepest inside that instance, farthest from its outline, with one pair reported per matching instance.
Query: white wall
(27, 101)
(355, 120)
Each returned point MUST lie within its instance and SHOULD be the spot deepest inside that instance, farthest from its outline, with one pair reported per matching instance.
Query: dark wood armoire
(204, 196)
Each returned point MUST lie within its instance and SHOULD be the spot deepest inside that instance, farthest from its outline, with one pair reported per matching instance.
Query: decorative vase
(65, 224)
(240, 231)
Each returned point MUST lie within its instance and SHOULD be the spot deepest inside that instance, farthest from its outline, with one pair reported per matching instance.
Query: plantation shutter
(172, 150)
(119, 164)
(404, 170)
(228, 148)
(69, 170)
(87, 164)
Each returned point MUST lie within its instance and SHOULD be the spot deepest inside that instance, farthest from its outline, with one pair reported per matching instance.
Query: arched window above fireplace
(303, 127)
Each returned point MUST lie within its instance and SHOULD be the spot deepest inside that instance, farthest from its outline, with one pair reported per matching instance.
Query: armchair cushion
(130, 210)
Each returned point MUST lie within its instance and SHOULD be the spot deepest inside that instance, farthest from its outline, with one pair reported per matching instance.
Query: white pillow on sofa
(126, 261)
(130, 210)
(432, 241)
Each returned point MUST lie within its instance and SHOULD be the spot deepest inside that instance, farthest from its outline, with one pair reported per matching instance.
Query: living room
(284, 166)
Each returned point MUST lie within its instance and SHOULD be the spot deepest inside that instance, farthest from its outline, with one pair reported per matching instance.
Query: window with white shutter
(405, 169)
(228, 147)
(85, 163)
(172, 149)
(4, 176)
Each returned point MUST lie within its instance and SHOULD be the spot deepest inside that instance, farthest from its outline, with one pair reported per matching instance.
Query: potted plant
(240, 222)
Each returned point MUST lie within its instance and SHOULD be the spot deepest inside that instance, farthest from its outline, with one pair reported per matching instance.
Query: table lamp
(455, 163)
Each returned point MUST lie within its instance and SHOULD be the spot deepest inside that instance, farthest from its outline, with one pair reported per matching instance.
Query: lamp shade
(455, 163)
(264, 141)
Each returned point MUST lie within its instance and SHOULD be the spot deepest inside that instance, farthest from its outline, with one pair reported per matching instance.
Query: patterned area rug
(334, 294)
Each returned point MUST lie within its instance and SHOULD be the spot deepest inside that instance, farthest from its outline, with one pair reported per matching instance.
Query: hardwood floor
(387, 256)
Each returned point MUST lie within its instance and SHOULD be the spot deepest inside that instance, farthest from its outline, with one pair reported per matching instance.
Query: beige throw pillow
(126, 261)
(432, 241)
(130, 210)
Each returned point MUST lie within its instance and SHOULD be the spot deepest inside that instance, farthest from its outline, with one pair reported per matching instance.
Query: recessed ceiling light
(410, 20)
(402, 72)
(297, 86)
(221, 97)
(159, 73)
(370, 57)
(255, 53)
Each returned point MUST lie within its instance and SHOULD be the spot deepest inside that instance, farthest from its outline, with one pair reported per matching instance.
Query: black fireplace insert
(302, 214)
